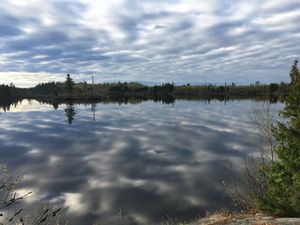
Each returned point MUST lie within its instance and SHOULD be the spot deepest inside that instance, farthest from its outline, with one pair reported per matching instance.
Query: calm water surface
(149, 161)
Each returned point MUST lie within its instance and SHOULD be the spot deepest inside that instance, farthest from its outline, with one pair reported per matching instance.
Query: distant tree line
(9, 91)
(10, 95)
(69, 90)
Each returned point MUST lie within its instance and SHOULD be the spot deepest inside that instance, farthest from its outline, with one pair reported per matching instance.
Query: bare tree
(263, 119)
(250, 184)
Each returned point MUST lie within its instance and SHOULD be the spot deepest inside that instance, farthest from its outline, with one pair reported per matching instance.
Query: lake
(127, 163)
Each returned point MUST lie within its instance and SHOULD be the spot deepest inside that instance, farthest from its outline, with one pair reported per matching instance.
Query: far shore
(133, 91)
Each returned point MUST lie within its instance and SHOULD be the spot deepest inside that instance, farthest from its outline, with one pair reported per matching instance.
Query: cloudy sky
(193, 41)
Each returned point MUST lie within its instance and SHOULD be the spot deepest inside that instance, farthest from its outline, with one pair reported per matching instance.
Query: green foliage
(283, 195)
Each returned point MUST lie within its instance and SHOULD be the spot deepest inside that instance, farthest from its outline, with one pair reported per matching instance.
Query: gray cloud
(180, 41)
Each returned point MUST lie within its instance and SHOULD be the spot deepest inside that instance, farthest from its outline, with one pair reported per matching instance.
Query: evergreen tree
(295, 75)
(69, 84)
(284, 175)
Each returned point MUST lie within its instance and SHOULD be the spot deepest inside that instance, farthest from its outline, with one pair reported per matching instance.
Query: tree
(295, 75)
(69, 83)
(283, 196)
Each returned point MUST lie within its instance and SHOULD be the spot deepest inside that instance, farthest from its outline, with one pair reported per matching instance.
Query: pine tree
(69, 83)
(284, 175)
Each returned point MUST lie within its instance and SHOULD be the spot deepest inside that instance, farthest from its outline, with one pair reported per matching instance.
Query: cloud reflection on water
(149, 160)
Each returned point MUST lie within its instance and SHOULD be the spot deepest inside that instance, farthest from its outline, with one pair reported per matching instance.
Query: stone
(267, 218)
(288, 221)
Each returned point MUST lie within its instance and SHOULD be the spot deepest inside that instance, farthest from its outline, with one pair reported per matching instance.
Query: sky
(150, 41)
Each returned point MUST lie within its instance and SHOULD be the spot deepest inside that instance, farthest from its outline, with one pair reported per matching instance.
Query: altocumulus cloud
(148, 40)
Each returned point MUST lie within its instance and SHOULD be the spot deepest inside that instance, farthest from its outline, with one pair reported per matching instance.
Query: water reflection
(70, 112)
(6, 103)
(93, 109)
(55, 105)
(135, 163)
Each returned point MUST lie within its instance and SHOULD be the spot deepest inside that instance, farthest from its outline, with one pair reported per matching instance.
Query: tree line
(84, 91)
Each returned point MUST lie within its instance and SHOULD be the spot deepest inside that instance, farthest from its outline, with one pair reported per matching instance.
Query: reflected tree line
(6, 104)
(70, 106)
(70, 111)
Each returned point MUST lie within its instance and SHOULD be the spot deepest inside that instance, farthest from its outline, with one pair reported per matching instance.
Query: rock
(261, 215)
(267, 218)
(288, 221)
(262, 222)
